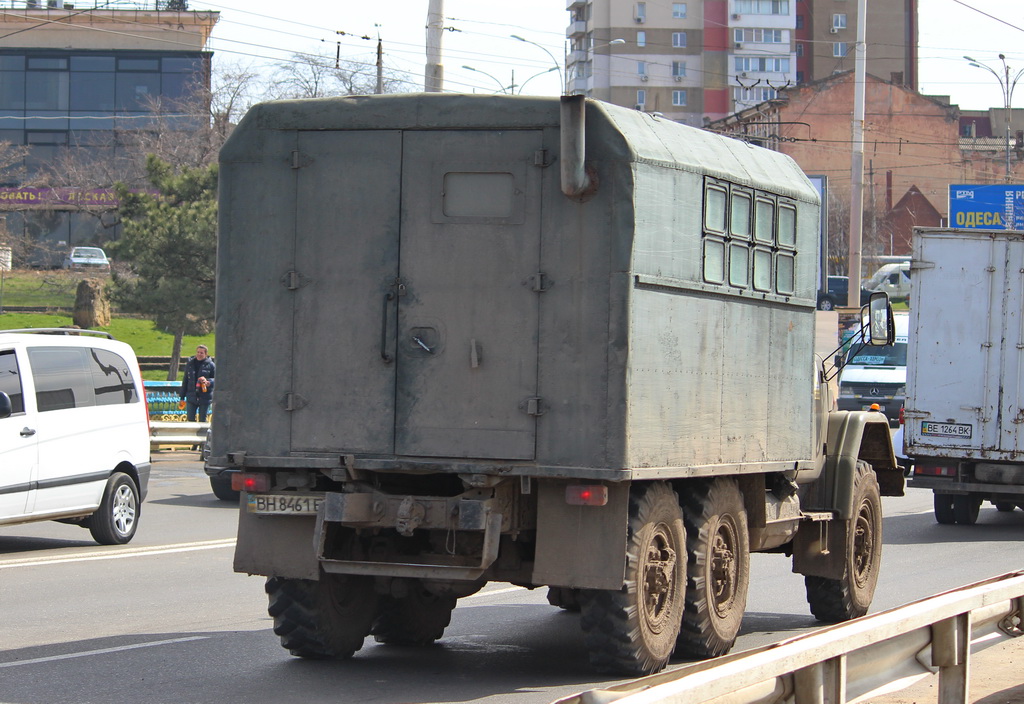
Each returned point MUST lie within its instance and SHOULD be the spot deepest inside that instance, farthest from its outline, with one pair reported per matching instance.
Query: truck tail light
(935, 470)
(901, 415)
(250, 482)
(586, 495)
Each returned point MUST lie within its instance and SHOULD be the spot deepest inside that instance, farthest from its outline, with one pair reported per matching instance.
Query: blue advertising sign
(999, 207)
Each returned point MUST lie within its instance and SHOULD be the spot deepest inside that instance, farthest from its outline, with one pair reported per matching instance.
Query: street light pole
(553, 59)
(501, 85)
(1006, 86)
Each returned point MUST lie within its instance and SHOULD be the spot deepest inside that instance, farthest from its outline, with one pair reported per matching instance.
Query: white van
(74, 431)
(893, 278)
(876, 374)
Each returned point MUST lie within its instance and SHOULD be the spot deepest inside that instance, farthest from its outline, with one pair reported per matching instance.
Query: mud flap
(819, 549)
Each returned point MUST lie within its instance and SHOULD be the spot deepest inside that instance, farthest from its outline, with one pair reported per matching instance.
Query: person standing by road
(197, 385)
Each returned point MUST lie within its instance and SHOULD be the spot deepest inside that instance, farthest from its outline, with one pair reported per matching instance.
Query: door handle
(388, 359)
(27, 432)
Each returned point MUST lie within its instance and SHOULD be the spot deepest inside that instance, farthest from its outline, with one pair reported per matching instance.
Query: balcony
(576, 29)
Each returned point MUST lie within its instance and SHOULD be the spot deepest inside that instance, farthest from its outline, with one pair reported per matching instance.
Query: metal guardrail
(872, 655)
(177, 433)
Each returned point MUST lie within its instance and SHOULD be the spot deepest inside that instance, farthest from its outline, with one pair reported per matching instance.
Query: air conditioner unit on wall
(679, 79)
(739, 45)
(638, 20)
(735, 17)
(644, 77)
(834, 30)
(638, 106)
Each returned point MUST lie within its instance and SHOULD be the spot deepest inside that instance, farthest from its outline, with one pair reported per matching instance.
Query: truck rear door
(965, 357)
(468, 310)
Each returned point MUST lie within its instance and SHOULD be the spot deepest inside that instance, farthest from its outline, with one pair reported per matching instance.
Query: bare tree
(324, 76)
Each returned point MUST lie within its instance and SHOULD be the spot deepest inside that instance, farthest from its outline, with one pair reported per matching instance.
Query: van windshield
(894, 355)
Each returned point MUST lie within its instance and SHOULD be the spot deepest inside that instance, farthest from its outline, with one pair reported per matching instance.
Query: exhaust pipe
(575, 180)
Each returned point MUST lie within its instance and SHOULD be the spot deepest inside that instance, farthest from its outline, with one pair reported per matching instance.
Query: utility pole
(433, 77)
(380, 66)
(857, 160)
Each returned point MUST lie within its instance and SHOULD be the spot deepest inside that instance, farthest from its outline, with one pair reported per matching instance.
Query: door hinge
(539, 282)
(542, 159)
(293, 280)
(533, 406)
(298, 160)
(292, 401)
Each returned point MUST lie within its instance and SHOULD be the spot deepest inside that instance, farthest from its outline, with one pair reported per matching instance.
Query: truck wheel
(322, 619)
(221, 485)
(826, 303)
(633, 630)
(943, 504)
(116, 520)
(417, 619)
(966, 509)
(718, 573)
(1005, 506)
(834, 600)
(564, 598)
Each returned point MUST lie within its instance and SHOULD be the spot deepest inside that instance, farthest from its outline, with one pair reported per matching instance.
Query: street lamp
(553, 59)
(1007, 86)
(501, 85)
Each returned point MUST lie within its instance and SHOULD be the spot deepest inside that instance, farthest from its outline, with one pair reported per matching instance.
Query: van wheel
(943, 505)
(325, 618)
(1005, 506)
(826, 304)
(834, 600)
(718, 571)
(221, 485)
(115, 521)
(633, 630)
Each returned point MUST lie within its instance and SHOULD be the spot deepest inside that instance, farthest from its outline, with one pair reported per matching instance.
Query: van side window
(111, 378)
(62, 378)
(10, 380)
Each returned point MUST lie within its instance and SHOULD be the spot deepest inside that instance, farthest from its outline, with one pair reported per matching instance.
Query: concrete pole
(433, 77)
(857, 160)
(380, 66)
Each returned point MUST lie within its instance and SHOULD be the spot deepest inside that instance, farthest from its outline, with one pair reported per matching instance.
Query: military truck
(547, 342)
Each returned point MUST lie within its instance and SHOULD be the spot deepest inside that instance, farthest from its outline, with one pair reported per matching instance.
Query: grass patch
(47, 288)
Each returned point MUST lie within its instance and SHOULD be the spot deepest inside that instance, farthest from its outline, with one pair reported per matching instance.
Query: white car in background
(74, 431)
(86, 258)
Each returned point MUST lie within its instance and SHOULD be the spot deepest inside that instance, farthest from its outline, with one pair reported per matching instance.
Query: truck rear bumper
(945, 486)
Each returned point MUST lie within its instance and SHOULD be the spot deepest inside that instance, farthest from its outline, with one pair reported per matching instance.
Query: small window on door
(478, 195)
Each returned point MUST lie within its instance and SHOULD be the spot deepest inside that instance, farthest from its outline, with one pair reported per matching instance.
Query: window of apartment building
(839, 49)
(839, 20)
(799, 49)
(679, 40)
(768, 64)
(761, 7)
(760, 36)
(754, 95)
(589, 41)
(799, 76)
(799, 21)
(641, 38)
(679, 98)
(641, 98)
(581, 13)
(640, 12)
(641, 68)
(679, 10)
(678, 68)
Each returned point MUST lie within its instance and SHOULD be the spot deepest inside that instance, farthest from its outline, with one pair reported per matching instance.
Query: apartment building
(76, 76)
(702, 60)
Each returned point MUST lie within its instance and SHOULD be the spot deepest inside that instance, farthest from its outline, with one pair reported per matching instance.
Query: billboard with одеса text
(990, 207)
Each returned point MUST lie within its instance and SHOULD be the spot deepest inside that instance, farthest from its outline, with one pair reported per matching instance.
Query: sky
(259, 32)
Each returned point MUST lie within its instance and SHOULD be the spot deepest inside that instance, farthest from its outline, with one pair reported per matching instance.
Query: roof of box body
(643, 138)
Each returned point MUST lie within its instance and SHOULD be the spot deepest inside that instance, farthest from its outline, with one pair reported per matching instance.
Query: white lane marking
(119, 554)
(101, 651)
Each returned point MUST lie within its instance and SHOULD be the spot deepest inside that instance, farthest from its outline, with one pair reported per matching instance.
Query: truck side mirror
(881, 326)
(5, 405)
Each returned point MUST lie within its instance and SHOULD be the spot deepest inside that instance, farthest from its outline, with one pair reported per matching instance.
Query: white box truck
(965, 406)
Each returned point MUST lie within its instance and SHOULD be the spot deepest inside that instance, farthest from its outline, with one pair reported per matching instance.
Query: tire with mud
(835, 600)
(718, 570)
(322, 619)
(418, 618)
(565, 598)
(633, 630)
